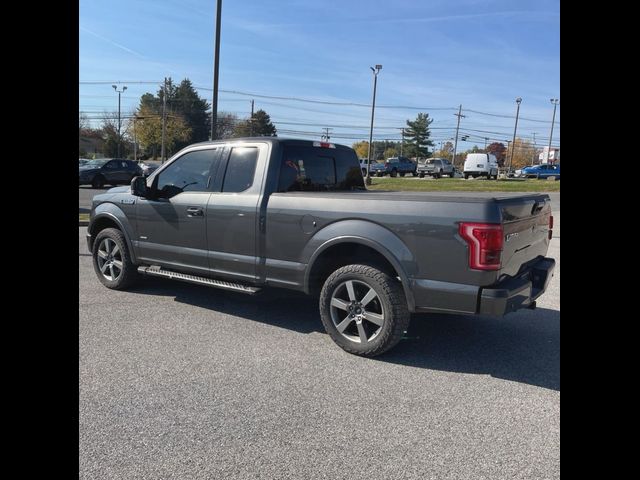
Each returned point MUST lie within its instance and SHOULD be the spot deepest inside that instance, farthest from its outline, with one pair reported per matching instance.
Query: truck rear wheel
(364, 310)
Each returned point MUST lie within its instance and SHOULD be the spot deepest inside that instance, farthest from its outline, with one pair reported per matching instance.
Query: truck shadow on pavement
(521, 347)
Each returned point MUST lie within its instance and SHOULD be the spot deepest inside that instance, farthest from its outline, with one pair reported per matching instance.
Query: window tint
(319, 169)
(189, 173)
(240, 169)
(112, 165)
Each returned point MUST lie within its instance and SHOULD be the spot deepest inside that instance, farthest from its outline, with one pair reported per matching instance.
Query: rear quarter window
(315, 169)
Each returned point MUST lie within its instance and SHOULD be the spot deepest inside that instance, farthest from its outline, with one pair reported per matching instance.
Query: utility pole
(555, 104)
(251, 119)
(216, 64)
(533, 160)
(119, 118)
(164, 118)
(402, 144)
(455, 145)
(373, 109)
(485, 144)
(326, 133)
(135, 140)
(513, 143)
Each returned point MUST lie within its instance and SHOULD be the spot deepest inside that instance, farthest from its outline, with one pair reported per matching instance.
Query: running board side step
(157, 271)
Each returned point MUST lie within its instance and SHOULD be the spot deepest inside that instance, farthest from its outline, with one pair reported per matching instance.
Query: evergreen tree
(417, 136)
(258, 126)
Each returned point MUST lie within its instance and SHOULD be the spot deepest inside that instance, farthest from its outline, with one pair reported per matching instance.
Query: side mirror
(139, 187)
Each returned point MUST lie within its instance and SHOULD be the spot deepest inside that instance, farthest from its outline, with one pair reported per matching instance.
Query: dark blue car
(540, 171)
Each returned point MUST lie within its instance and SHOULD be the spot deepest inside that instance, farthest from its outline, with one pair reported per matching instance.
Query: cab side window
(240, 169)
(189, 173)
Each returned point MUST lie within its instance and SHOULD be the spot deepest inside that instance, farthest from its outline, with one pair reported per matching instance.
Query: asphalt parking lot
(183, 381)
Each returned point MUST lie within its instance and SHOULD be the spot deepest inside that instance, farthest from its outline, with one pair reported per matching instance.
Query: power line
(326, 102)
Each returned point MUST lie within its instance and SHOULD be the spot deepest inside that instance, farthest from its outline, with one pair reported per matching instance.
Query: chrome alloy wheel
(356, 311)
(110, 259)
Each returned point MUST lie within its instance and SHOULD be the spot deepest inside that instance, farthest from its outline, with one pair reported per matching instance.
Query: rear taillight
(550, 226)
(485, 242)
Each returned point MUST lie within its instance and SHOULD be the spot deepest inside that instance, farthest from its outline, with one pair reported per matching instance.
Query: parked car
(435, 167)
(540, 171)
(149, 167)
(363, 166)
(111, 171)
(244, 214)
(481, 165)
(378, 169)
(395, 166)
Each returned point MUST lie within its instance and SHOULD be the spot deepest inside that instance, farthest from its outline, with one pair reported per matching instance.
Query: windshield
(95, 163)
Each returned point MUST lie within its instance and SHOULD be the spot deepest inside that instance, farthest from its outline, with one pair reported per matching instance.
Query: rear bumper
(499, 299)
(519, 292)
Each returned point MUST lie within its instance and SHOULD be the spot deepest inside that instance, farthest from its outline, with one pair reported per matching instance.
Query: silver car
(435, 167)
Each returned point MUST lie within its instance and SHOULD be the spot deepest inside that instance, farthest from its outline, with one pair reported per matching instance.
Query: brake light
(550, 226)
(485, 242)
(324, 145)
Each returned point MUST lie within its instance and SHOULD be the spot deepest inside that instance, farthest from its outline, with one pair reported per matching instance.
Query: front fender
(370, 234)
(115, 214)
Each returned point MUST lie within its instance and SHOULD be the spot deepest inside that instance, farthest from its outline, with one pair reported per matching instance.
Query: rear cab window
(314, 169)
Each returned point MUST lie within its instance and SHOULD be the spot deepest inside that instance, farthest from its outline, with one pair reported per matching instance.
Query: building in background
(551, 157)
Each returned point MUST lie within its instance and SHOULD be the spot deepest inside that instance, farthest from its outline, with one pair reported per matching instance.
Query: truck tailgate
(525, 220)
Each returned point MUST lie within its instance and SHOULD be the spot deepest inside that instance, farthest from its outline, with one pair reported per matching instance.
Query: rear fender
(371, 235)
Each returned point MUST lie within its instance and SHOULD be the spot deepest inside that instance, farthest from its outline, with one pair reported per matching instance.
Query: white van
(480, 165)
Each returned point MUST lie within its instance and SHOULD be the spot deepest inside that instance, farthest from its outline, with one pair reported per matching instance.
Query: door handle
(195, 212)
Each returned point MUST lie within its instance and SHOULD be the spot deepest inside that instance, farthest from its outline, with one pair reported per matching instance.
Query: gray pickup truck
(249, 213)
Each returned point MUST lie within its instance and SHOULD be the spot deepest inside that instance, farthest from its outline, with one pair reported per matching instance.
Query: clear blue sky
(435, 54)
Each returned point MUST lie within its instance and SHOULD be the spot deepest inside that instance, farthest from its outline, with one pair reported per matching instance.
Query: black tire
(402, 174)
(378, 174)
(128, 273)
(466, 176)
(389, 299)
(364, 172)
(98, 181)
(422, 175)
(394, 173)
(436, 175)
(415, 174)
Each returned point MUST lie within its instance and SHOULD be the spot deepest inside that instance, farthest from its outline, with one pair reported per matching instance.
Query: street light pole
(555, 104)
(373, 108)
(119, 120)
(216, 64)
(513, 143)
(164, 119)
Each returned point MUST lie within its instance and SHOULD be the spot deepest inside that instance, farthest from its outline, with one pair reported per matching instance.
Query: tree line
(187, 121)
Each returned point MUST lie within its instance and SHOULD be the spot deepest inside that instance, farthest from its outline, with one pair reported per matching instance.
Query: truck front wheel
(364, 310)
(112, 261)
